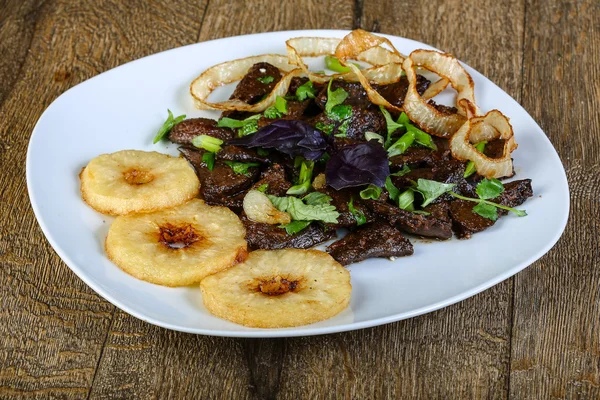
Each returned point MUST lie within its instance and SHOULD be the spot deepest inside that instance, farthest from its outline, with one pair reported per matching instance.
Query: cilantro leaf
(371, 192)
(326, 129)
(489, 188)
(240, 168)
(296, 226)
(167, 126)
(207, 143)
(343, 128)
(358, 215)
(263, 188)
(281, 104)
(265, 79)
(392, 189)
(306, 91)
(272, 113)
(431, 190)
(392, 125)
(334, 98)
(486, 211)
(340, 112)
(299, 211)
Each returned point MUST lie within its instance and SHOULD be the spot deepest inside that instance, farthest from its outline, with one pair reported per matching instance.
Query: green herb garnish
(358, 215)
(237, 123)
(306, 91)
(470, 169)
(420, 137)
(325, 128)
(299, 211)
(405, 170)
(265, 79)
(343, 128)
(337, 97)
(207, 143)
(209, 159)
(486, 189)
(334, 64)
(316, 198)
(392, 189)
(371, 192)
(406, 200)
(374, 136)
(296, 226)
(263, 188)
(167, 126)
(240, 168)
(401, 144)
(303, 185)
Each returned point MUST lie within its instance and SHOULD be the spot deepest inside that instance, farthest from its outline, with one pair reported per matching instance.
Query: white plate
(123, 108)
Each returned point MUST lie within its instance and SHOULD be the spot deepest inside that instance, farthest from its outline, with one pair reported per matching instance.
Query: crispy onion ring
(384, 63)
(426, 116)
(359, 41)
(233, 71)
(493, 125)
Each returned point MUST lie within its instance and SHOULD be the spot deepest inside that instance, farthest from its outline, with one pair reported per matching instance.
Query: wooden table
(536, 335)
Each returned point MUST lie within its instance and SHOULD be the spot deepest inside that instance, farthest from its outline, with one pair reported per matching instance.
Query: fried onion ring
(493, 125)
(233, 71)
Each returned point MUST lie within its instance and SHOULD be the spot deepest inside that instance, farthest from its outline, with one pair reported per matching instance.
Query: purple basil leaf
(357, 165)
(295, 138)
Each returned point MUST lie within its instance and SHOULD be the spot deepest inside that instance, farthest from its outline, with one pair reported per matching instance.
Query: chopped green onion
(304, 179)
(358, 215)
(401, 144)
(406, 200)
(392, 189)
(281, 104)
(374, 136)
(296, 226)
(240, 168)
(209, 159)
(167, 126)
(207, 143)
(470, 169)
(334, 64)
(236, 123)
(372, 192)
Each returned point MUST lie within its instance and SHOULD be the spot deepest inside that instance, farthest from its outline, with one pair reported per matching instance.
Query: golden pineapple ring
(133, 181)
(279, 288)
(177, 246)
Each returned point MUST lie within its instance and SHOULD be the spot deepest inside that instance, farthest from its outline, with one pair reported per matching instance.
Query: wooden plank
(52, 327)
(556, 334)
(142, 361)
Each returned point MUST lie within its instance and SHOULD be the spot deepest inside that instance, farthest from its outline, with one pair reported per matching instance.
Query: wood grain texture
(53, 326)
(535, 336)
(556, 334)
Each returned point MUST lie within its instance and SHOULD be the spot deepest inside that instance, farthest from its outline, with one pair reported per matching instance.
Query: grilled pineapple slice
(177, 246)
(279, 288)
(133, 181)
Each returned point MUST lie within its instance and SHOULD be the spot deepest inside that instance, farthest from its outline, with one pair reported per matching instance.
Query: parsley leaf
(420, 137)
(358, 215)
(271, 113)
(296, 226)
(337, 97)
(240, 168)
(316, 198)
(265, 79)
(299, 211)
(207, 143)
(343, 128)
(167, 126)
(489, 189)
(486, 211)
(306, 91)
(263, 188)
(431, 190)
(371, 192)
(209, 159)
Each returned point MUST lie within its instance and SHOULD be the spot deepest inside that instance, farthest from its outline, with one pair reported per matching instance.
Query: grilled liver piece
(377, 239)
(186, 130)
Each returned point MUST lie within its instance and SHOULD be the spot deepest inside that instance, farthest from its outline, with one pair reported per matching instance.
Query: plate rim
(300, 330)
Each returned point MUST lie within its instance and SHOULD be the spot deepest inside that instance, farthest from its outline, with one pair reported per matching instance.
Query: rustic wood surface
(536, 335)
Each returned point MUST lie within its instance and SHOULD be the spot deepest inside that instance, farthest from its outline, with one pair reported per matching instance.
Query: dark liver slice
(270, 237)
(377, 239)
(186, 130)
